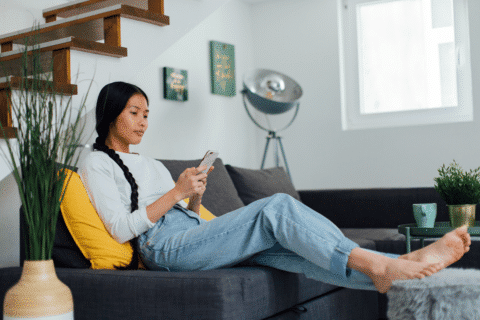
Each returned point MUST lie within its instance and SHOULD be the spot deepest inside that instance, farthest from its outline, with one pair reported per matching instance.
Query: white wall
(300, 38)
(10, 225)
(186, 130)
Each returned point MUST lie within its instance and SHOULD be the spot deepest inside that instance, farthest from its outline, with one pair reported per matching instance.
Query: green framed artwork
(222, 61)
(175, 84)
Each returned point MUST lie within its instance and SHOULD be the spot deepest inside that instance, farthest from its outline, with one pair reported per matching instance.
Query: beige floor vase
(38, 295)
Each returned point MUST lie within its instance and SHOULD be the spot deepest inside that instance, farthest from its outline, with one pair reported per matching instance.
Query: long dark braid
(100, 145)
(111, 102)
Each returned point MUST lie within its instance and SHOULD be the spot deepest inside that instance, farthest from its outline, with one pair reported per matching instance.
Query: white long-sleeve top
(110, 192)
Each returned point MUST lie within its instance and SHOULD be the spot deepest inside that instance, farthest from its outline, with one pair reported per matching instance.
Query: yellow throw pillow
(204, 213)
(88, 230)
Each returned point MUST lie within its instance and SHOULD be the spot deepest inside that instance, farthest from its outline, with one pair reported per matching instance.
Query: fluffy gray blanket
(447, 295)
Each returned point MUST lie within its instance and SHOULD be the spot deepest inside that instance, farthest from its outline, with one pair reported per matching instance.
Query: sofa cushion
(221, 196)
(88, 230)
(65, 252)
(372, 208)
(375, 234)
(253, 185)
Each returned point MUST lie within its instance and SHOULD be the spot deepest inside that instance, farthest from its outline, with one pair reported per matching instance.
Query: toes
(427, 272)
(469, 240)
(461, 231)
(434, 268)
(466, 238)
(441, 265)
(420, 276)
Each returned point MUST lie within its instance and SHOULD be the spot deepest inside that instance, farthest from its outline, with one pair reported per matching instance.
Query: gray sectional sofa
(369, 217)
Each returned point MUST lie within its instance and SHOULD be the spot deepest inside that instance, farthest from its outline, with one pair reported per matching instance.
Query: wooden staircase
(92, 26)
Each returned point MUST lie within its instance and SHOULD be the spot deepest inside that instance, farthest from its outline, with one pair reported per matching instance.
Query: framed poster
(222, 61)
(175, 84)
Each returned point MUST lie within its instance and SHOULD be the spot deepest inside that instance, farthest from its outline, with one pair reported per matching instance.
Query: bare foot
(384, 270)
(384, 274)
(448, 249)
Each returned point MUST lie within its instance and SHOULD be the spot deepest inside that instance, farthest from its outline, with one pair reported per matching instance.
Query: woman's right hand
(191, 182)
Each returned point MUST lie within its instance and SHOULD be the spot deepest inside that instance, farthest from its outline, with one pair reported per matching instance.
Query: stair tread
(87, 26)
(71, 42)
(11, 61)
(81, 6)
(14, 82)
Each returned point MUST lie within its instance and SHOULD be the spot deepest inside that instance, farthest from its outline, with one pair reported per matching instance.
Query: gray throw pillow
(253, 185)
(221, 196)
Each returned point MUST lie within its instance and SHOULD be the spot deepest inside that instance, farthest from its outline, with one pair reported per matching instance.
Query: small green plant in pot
(461, 191)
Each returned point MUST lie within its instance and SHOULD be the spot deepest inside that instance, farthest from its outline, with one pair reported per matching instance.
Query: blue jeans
(278, 232)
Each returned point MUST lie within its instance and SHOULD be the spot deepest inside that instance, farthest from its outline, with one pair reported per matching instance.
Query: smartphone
(208, 159)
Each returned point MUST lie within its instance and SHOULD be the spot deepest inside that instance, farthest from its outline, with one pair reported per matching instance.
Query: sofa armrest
(372, 208)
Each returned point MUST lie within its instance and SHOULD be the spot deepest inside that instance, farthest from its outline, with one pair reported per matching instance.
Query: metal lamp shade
(271, 92)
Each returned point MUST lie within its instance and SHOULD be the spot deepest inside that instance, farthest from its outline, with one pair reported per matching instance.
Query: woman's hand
(199, 196)
(192, 182)
(196, 200)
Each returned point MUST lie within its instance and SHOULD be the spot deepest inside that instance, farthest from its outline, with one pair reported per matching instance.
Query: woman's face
(129, 127)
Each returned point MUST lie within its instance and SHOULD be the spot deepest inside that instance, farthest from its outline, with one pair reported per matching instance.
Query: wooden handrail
(78, 7)
(73, 26)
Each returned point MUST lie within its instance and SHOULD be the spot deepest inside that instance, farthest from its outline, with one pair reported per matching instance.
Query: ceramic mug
(425, 214)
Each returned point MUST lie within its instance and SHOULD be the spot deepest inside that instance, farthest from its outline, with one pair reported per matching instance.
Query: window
(404, 62)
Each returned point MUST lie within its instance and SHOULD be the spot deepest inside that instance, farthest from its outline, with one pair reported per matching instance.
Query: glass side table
(411, 231)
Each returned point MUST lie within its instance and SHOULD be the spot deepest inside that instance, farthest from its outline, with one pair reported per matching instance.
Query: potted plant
(461, 191)
(48, 132)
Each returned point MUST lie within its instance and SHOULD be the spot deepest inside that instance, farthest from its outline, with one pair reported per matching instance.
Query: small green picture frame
(222, 62)
(175, 84)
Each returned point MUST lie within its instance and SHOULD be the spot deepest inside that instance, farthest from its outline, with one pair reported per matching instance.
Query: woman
(136, 198)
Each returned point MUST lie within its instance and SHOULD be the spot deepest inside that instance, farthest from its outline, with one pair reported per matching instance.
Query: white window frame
(353, 119)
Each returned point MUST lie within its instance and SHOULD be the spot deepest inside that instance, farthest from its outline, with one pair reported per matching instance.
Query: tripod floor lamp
(271, 93)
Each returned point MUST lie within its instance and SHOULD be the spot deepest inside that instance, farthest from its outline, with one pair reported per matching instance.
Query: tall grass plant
(49, 129)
